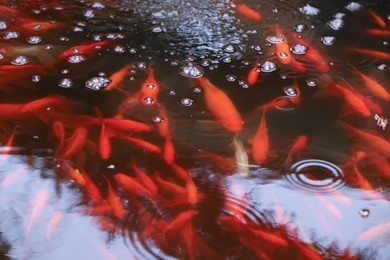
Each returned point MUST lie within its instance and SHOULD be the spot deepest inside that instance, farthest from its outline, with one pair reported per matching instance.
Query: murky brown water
(194, 129)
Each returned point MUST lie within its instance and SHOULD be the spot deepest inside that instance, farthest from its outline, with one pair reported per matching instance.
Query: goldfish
(260, 144)
(53, 223)
(10, 111)
(313, 54)
(169, 151)
(221, 106)
(73, 120)
(253, 74)
(248, 12)
(140, 143)
(370, 53)
(76, 175)
(192, 194)
(91, 188)
(282, 49)
(38, 205)
(59, 133)
(117, 78)
(179, 171)
(115, 202)
(131, 185)
(376, 32)
(181, 220)
(33, 26)
(126, 125)
(104, 139)
(296, 147)
(271, 238)
(376, 88)
(241, 157)
(375, 231)
(45, 103)
(84, 49)
(377, 19)
(8, 145)
(169, 187)
(144, 178)
(75, 143)
(149, 89)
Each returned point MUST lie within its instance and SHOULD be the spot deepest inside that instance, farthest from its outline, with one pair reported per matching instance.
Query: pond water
(209, 129)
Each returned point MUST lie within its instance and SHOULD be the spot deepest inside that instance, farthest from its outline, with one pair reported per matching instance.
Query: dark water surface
(294, 165)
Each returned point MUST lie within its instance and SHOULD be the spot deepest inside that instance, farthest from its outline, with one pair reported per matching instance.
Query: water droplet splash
(316, 175)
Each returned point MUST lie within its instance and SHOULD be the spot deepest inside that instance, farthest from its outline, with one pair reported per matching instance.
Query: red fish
(376, 32)
(181, 220)
(104, 140)
(376, 88)
(149, 89)
(260, 144)
(282, 49)
(33, 26)
(126, 125)
(75, 143)
(75, 174)
(45, 103)
(53, 223)
(313, 54)
(117, 78)
(115, 202)
(296, 147)
(38, 205)
(253, 74)
(131, 185)
(192, 194)
(91, 188)
(10, 111)
(377, 19)
(85, 49)
(73, 120)
(248, 12)
(140, 143)
(269, 237)
(169, 187)
(169, 151)
(370, 53)
(221, 106)
(147, 182)
(59, 133)
(179, 171)
(8, 145)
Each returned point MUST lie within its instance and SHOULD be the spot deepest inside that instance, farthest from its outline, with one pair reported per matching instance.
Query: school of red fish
(171, 187)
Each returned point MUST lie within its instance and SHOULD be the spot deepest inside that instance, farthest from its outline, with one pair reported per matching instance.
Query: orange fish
(75, 143)
(59, 133)
(181, 220)
(104, 139)
(84, 49)
(74, 120)
(38, 205)
(282, 49)
(169, 151)
(370, 53)
(131, 185)
(375, 231)
(140, 143)
(115, 202)
(260, 144)
(8, 145)
(53, 223)
(46, 103)
(296, 147)
(33, 26)
(192, 194)
(376, 88)
(91, 188)
(117, 77)
(169, 187)
(248, 12)
(10, 111)
(371, 140)
(313, 54)
(221, 106)
(179, 171)
(147, 182)
(7, 12)
(75, 174)
(376, 32)
(149, 89)
(271, 238)
(253, 74)
(377, 19)
(126, 125)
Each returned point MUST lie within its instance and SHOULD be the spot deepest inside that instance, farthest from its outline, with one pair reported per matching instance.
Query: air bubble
(157, 119)
(11, 35)
(97, 83)
(382, 66)
(274, 39)
(299, 49)
(20, 60)
(65, 83)
(148, 101)
(3, 25)
(311, 82)
(34, 39)
(187, 102)
(119, 49)
(364, 213)
(76, 59)
(309, 10)
(36, 78)
(206, 62)
(64, 71)
(228, 48)
(231, 78)
(150, 86)
(328, 40)
(290, 91)
(98, 5)
(191, 70)
(227, 59)
(268, 66)
(353, 6)
(299, 28)
(197, 90)
(89, 14)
